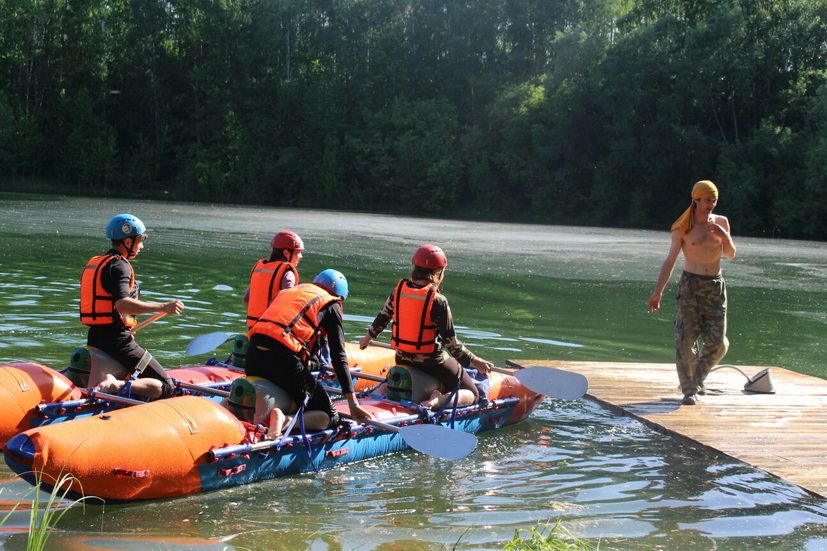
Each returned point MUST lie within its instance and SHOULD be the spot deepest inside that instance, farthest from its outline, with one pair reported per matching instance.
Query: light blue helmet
(122, 226)
(332, 281)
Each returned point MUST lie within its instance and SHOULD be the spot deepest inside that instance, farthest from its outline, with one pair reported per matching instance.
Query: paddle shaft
(202, 388)
(551, 382)
(368, 376)
(264, 445)
(218, 453)
(147, 321)
(115, 399)
(431, 439)
(381, 344)
(92, 397)
(372, 422)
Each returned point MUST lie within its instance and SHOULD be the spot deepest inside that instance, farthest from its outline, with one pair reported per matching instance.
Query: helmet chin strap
(130, 252)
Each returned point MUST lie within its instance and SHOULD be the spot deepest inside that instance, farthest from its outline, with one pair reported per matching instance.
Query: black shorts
(120, 344)
(275, 362)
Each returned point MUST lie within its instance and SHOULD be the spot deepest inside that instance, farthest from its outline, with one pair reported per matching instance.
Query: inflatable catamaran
(190, 444)
(186, 445)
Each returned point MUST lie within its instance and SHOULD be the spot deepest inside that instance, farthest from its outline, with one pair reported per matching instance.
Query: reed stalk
(43, 522)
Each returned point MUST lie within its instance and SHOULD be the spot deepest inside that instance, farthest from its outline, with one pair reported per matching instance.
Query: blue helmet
(122, 226)
(332, 281)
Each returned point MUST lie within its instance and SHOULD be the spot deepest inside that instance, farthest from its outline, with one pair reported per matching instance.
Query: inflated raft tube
(372, 360)
(144, 452)
(156, 450)
(507, 386)
(189, 444)
(24, 385)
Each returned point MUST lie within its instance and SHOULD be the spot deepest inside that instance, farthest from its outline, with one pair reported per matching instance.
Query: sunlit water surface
(517, 291)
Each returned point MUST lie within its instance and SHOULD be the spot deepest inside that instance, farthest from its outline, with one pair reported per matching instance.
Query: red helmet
(429, 257)
(287, 240)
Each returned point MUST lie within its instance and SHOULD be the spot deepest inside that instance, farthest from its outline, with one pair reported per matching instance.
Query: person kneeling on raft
(286, 337)
(258, 401)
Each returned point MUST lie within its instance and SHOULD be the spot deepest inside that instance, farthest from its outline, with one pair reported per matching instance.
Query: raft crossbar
(328, 434)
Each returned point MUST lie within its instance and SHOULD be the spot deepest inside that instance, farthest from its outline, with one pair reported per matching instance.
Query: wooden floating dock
(784, 433)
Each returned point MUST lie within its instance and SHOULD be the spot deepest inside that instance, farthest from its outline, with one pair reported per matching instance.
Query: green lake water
(517, 292)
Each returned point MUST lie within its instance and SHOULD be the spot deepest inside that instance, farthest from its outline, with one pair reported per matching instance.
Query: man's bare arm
(721, 229)
(666, 271)
(133, 306)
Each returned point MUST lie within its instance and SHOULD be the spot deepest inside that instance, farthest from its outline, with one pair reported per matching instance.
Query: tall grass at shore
(556, 538)
(42, 523)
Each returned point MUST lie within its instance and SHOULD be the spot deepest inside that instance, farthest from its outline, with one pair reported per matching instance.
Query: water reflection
(103, 540)
(551, 342)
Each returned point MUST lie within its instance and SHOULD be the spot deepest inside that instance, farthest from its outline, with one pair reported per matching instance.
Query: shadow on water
(517, 292)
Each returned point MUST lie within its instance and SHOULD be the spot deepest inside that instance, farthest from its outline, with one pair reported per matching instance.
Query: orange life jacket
(97, 306)
(265, 283)
(293, 317)
(413, 328)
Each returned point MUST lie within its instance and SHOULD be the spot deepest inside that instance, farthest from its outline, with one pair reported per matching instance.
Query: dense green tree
(573, 111)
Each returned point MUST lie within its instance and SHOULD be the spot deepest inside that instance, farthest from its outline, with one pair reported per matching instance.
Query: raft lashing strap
(127, 388)
(230, 471)
(482, 388)
(454, 406)
(131, 473)
(139, 369)
(254, 433)
(21, 381)
(455, 396)
(300, 413)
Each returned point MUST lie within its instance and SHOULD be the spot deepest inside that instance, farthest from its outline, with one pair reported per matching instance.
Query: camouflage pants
(700, 328)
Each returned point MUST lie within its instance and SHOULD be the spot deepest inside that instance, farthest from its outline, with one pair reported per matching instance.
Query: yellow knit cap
(701, 190)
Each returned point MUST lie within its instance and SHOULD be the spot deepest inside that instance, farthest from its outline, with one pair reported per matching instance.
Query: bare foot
(275, 424)
(110, 385)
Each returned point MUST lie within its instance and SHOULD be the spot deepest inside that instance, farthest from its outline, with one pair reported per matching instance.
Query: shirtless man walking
(701, 313)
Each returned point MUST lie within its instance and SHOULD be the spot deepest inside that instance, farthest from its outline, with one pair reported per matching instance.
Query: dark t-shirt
(117, 277)
(330, 319)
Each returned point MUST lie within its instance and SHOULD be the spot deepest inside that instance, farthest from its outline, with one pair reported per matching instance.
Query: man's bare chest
(700, 241)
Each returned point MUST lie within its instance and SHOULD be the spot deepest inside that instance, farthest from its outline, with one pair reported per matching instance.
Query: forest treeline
(588, 112)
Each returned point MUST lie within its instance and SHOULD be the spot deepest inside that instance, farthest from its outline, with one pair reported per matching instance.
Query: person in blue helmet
(288, 334)
(109, 302)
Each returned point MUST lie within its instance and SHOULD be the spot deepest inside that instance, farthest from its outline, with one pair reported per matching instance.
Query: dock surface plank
(783, 433)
